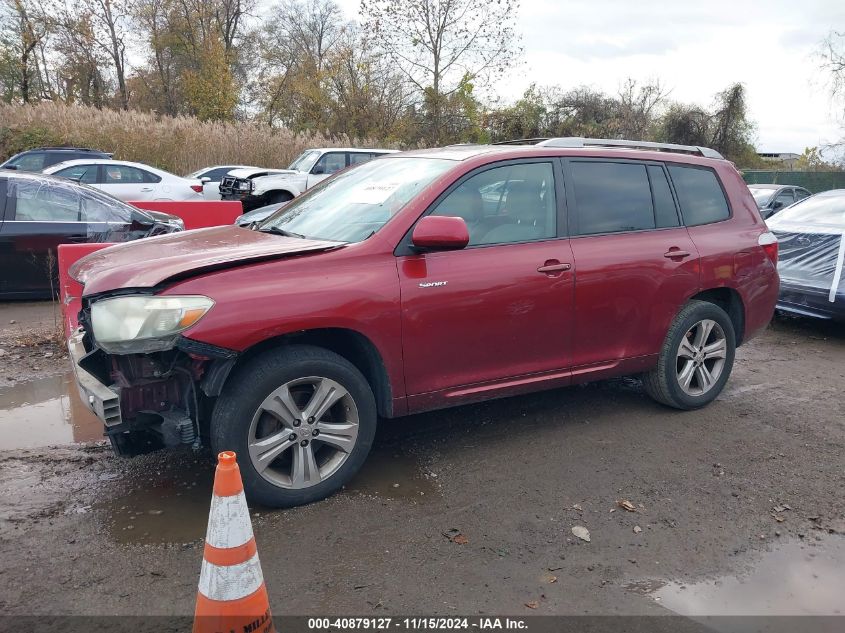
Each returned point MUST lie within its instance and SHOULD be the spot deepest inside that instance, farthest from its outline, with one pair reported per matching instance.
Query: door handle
(146, 188)
(553, 266)
(672, 253)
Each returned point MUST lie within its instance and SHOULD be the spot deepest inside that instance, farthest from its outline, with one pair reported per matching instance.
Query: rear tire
(696, 359)
(301, 420)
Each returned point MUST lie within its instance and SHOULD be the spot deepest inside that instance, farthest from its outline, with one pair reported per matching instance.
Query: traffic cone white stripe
(230, 582)
(228, 522)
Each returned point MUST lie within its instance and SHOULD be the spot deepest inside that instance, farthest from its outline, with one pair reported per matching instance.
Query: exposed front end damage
(153, 400)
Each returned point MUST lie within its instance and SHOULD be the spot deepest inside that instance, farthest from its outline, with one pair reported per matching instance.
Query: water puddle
(170, 494)
(45, 412)
(171, 506)
(393, 474)
(796, 578)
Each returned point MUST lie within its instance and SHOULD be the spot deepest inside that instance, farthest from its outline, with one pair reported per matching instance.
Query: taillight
(197, 188)
(769, 243)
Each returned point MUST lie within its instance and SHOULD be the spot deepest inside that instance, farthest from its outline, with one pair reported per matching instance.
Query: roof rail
(523, 141)
(66, 147)
(578, 141)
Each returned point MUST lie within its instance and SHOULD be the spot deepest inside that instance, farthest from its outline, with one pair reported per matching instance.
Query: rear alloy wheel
(701, 357)
(696, 358)
(301, 420)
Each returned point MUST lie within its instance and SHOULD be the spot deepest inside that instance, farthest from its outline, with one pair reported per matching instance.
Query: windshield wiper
(277, 231)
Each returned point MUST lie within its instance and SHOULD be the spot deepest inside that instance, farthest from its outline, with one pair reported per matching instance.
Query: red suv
(418, 281)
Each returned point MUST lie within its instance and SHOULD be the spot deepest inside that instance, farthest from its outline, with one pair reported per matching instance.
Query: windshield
(358, 202)
(821, 210)
(306, 160)
(761, 196)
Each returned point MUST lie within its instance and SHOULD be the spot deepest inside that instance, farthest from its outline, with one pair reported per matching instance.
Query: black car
(772, 198)
(811, 256)
(39, 212)
(43, 157)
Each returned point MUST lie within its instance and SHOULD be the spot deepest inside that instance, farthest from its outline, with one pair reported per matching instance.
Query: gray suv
(41, 158)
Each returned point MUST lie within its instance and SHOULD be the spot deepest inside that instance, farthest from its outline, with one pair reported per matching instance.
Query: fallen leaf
(549, 578)
(637, 529)
(627, 505)
(460, 539)
(581, 532)
(532, 605)
(779, 519)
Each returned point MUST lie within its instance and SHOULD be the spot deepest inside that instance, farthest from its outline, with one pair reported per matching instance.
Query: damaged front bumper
(153, 400)
(103, 401)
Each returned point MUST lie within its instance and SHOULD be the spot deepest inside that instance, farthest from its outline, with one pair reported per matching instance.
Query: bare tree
(442, 46)
(111, 17)
(25, 31)
(832, 54)
(638, 106)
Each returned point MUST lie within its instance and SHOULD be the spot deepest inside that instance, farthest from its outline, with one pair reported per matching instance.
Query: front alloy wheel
(301, 420)
(303, 432)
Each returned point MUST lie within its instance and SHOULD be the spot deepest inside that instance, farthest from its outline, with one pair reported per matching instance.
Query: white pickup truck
(256, 187)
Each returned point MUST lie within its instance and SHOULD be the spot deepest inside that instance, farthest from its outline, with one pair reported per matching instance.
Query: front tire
(301, 420)
(280, 197)
(696, 359)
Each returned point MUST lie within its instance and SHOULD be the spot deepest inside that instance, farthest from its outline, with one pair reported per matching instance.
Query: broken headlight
(144, 323)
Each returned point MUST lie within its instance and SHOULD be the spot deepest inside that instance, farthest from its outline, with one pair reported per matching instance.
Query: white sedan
(129, 181)
(211, 177)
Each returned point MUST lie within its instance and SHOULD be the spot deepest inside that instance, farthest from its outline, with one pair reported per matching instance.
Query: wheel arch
(350, 344)
(291, 191)
(731, 302)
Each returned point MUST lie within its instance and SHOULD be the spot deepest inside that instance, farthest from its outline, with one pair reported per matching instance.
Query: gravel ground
(469, 510)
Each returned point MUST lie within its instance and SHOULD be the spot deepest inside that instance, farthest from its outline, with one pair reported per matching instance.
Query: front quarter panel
(338, 289)
(294, 184)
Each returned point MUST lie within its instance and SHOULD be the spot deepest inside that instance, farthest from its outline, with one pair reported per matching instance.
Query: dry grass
(177, 144)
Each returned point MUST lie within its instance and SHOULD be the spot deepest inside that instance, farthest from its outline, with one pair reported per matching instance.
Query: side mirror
(205, 180)
(10, 167)
(777, 204)
(318, 170)
(440, 233)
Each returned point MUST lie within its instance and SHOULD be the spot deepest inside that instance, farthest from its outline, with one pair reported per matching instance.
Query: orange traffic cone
(231, 595)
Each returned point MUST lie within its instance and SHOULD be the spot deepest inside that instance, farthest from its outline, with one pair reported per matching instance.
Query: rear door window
(700, 195)
(356, 158)
(610, 198)
(122, 175)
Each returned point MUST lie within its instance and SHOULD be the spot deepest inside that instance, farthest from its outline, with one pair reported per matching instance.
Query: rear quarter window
(700, 195)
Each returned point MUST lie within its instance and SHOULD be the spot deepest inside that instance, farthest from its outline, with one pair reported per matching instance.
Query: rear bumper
(99, 398)
(811, 302)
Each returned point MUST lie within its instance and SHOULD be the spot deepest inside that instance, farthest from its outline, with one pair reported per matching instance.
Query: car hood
(253, 171)
(151, 261)
(256, 215)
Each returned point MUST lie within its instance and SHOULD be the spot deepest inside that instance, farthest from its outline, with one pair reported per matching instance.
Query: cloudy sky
(696, 48)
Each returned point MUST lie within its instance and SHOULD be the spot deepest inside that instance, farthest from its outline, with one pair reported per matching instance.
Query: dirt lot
(750, 487)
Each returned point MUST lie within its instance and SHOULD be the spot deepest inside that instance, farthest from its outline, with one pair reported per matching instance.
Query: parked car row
(256, 187)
